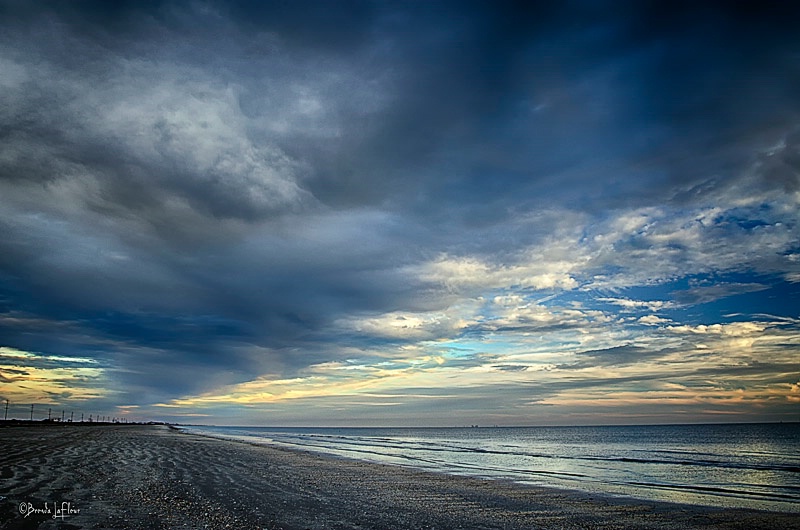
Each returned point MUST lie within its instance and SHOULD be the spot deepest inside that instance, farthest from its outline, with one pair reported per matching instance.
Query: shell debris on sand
(141, 477)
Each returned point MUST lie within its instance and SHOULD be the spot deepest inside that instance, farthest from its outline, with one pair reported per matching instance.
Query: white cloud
(467, 273)
(513, 312)
(402, 325)
(653, 320)
(734, 329)
(628, 304)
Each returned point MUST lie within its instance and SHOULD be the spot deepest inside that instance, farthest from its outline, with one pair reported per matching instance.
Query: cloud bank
(390, 213)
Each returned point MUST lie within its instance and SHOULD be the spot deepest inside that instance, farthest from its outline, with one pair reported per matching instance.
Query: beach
(152, 476)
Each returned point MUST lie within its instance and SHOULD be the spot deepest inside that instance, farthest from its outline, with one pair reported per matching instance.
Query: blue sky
(400, 213)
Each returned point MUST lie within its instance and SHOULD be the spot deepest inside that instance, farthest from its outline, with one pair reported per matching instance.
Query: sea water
(730, 465)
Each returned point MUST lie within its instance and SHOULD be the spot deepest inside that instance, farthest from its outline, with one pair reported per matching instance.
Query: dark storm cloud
(477, 74)
(700, 88)
(196, 192)
(780, 167)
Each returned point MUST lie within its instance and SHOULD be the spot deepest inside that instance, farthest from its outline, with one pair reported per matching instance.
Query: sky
(380, 213)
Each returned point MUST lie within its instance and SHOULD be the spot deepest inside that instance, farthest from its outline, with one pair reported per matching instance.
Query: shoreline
(156, 476)
(654, 485)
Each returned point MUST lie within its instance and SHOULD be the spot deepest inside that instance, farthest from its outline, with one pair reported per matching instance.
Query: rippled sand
(155, 477)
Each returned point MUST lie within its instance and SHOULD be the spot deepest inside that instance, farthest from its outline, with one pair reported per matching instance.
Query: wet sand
(139, 477)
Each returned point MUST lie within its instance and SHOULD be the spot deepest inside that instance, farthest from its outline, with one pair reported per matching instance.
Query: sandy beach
(138, 477)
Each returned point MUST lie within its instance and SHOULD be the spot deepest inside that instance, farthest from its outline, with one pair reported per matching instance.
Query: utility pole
(81, 417)
(71, 416)
(31, 411)
(62, 416)
(48, 414)
(6, 418)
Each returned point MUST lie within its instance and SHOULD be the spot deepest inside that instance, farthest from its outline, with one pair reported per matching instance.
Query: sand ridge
(137, 477)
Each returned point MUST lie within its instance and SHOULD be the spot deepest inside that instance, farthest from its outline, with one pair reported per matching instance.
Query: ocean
(724, 465)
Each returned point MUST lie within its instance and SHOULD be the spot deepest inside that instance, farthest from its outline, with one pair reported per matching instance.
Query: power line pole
(6, 418)
(31, 411)
(62, 416)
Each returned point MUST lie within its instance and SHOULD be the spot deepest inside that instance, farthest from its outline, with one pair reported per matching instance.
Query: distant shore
(57, 423)
(151, 476)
